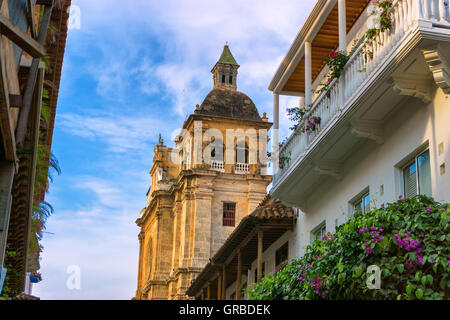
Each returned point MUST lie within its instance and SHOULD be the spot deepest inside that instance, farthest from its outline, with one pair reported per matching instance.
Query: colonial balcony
(242, 168)
(381, 73)
(217, 166)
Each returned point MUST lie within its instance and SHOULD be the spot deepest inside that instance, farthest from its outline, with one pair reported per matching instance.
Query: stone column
(200, 252)
(141, 238)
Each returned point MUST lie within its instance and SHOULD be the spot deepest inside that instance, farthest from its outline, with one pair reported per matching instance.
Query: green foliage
(10, 253)
(408, 240)
(336, 62)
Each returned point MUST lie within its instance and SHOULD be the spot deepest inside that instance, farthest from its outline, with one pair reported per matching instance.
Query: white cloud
(189, 36)
(121, 133)
(160, 52)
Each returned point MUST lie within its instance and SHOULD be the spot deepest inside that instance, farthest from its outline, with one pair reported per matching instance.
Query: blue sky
(131, 72)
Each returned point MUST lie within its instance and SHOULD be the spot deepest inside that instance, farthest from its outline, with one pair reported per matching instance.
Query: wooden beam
(239, 277)
(31, 19)
(35, 119)
(6, 121)
(247, 239)
(219, 287)
(44, 2)
(224, 283)
(31, 81)
(21, 38)
(260, 253)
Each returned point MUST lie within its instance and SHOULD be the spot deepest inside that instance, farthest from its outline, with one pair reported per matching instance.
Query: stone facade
(219, 158)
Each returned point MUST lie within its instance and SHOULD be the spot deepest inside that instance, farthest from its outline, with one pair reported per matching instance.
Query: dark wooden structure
(249, 240)
(326, 40)
(25, 39)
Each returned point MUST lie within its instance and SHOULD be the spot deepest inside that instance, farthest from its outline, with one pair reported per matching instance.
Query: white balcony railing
(217, 166)
(242, 168)
(359, 68)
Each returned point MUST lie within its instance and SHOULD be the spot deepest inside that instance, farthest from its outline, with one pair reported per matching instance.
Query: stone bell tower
(225, 71)
(195, 202)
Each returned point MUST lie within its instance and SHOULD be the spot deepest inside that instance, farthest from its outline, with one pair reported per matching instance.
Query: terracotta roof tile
(273, 208)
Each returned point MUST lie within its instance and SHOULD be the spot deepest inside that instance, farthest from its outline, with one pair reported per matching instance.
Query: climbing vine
(407, 240)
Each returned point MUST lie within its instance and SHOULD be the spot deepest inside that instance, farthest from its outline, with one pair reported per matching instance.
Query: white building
(383, 130)
(384, 123)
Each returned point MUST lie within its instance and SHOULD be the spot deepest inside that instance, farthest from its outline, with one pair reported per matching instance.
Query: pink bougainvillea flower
(333, 54)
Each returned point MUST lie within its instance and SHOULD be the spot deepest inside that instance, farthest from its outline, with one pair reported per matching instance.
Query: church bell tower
(225, 71)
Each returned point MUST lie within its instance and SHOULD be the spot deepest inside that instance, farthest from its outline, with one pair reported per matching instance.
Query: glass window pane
(423, 162)
(366, 203)
(410, 181)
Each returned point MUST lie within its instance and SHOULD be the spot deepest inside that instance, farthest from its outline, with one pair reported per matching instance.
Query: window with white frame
(362, 203)
(417, 176)
(319, 232)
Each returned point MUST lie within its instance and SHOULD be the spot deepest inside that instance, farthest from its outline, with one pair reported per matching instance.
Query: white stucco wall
(408, 130)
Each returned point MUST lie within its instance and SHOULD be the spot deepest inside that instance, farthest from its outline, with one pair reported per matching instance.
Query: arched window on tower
(223, 78)
(230, 80)
(217, 155)
(242, 158)
(242, 153)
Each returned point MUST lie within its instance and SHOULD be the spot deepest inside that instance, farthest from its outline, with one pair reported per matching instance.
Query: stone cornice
(251, 123)
(437, 58)
(154, 202)
(415, 85)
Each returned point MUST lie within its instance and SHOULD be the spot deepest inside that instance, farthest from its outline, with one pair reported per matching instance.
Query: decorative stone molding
(415, 85)
(372, 130)
(329, 168)
(437, 58)
(141, 236)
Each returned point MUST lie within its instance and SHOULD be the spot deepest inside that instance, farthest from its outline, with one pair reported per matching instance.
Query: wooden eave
(325, 41)
(23, 188)
(245, 239)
